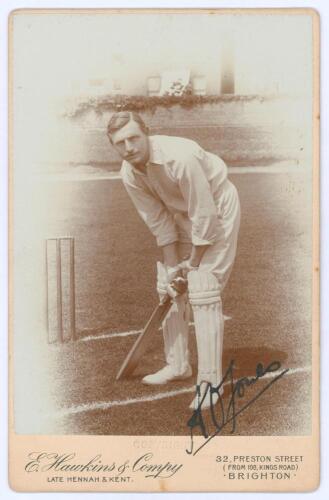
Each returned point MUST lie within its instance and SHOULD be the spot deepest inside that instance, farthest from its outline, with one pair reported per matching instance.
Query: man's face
(132, 144)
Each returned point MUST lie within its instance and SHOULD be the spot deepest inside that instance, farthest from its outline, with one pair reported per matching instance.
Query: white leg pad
(175, 327)
(204, 295)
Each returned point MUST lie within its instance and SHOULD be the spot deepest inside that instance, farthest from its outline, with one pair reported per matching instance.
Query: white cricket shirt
(182, 188)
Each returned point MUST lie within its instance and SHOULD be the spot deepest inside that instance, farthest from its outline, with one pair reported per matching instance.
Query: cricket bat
(152, 326)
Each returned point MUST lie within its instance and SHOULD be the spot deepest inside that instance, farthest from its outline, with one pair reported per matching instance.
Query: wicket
(60, 288)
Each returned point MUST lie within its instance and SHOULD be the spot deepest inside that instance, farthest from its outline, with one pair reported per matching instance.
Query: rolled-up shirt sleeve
(196, 191)
(152, 211)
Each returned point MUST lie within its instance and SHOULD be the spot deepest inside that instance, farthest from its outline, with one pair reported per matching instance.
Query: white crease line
(105, 336)
(106, 405)
(270, 169)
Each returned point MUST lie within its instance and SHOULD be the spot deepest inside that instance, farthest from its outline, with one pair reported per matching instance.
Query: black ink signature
(224, 417)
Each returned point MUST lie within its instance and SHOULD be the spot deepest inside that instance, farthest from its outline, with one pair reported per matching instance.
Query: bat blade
(141, 344)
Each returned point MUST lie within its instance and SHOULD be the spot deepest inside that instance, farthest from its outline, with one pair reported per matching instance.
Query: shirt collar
(156, 156)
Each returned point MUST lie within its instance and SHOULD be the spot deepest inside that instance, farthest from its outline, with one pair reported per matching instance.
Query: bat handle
(164, 300)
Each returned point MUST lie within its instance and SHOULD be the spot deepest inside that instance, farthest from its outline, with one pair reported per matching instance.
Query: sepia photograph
(164, 226)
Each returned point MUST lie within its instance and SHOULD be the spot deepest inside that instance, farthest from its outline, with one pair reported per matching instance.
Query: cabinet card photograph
(164, 250)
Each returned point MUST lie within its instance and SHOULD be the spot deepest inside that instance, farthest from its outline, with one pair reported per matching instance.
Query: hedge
(150, 104)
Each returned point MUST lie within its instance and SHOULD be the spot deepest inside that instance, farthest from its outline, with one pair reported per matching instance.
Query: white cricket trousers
(219, 257)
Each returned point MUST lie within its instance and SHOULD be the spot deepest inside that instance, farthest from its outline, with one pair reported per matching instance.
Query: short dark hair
(121, 118)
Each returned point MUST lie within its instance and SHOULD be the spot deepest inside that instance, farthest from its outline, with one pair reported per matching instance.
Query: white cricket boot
(175, 336)
(204, 295)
